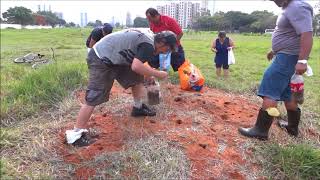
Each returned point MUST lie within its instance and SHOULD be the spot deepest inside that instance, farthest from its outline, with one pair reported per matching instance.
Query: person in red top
(160, 23)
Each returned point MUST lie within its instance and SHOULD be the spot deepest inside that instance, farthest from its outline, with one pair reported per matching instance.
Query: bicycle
(37, 60)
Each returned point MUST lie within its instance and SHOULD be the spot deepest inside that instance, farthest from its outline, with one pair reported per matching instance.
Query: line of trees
(232, 21)
(236, 21)
(24, 16)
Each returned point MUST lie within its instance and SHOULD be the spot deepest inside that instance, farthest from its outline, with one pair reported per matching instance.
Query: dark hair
(168, 38)
(107, 28)
(153, 12)
(222, 34)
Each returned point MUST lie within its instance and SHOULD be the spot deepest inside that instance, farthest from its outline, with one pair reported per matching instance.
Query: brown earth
(203, 124)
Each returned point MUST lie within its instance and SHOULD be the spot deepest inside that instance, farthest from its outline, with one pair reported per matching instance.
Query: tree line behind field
(232, 21)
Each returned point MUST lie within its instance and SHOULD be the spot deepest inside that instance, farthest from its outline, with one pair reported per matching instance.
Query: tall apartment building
(183, 12)
(83, 19)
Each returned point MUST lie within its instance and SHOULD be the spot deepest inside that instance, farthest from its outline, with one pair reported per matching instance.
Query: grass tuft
(300, 161)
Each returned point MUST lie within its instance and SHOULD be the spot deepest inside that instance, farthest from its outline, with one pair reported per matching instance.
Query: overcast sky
(105, 10)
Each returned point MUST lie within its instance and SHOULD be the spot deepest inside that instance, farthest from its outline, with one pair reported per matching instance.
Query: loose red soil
(203, 124)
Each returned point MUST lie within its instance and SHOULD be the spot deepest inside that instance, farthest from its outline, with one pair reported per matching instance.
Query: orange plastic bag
(190, 77)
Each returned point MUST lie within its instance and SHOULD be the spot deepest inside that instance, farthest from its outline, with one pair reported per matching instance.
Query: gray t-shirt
(120, 48)
(294, 20)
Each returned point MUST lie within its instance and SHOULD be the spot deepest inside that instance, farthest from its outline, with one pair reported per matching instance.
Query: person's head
(106, 29)
(165, 41)
(282, 3)
(222, 35)
(153, 15)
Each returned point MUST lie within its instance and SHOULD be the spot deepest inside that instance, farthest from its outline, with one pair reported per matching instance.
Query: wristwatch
(303, 61)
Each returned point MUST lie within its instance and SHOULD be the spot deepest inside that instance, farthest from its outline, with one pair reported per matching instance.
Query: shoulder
(298, 6)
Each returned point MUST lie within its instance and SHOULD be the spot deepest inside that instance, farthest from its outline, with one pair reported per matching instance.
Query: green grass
(292, 161)
(26, 92)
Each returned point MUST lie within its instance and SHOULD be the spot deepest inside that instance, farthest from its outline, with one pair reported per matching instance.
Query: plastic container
(297, 88)
(153, 93)
(165, 61)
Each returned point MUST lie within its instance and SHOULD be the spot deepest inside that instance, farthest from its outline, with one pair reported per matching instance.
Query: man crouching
(120, 56)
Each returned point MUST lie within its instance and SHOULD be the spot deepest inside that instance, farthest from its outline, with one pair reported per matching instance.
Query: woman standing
(221, 46)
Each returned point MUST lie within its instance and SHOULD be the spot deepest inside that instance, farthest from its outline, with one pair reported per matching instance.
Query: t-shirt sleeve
(300, 18)
(96, 34)
(174, 27)
(145, 52)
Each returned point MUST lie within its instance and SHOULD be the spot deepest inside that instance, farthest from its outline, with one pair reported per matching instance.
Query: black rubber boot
(261, 128)
(143, 111)
(293, 122)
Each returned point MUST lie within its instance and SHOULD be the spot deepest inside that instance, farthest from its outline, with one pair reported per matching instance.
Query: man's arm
(138, 67)
(305, 45)
(179, 36)
(305, 49)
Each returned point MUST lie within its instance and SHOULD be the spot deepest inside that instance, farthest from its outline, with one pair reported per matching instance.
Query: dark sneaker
(85, 140)
(143, 111)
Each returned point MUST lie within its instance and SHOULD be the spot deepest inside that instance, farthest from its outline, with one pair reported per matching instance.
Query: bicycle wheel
(41, 63)
(19, 60)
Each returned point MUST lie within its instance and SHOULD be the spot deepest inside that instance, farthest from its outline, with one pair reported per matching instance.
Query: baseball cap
(168, 38)
(107, 28)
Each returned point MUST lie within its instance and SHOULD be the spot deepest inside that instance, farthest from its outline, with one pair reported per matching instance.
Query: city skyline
(106, 11)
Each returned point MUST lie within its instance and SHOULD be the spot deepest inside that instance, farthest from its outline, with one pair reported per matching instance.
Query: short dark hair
(107, 28)
(152, 11)
(168, 38)
(222, 34)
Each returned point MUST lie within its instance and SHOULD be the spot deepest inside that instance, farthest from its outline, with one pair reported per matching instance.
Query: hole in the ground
(179, 121)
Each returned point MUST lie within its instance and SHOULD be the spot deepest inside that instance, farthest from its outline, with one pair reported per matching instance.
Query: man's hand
(162, 74)
(301, 68)
(270, 55)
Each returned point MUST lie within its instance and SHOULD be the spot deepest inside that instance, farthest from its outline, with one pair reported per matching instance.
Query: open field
(37, 105)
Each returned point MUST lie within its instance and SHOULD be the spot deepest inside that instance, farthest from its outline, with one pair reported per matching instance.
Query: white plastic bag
(73, 135)
(231, 58)
(309, 71)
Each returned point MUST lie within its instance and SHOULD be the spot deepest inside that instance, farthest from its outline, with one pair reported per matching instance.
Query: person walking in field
(160, 23)
(120, 56)
(221, 46)
(291, 46)
(97, 34)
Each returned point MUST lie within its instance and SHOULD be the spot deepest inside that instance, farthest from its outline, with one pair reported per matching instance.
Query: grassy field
(28, 93)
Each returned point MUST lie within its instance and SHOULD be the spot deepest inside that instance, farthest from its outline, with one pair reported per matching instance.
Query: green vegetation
(293, 161)
(25, 92)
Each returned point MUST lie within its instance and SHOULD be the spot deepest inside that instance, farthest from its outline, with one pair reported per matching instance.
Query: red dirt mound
(203, 124)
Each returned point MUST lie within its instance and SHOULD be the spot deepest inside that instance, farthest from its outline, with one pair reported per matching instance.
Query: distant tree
(263, 20)
(92, 24)
(316, 24)
(98, 23)
(140, 22)
(70, 24)
(18, 15)
(238, 19)
(1, 20)
(117, 25)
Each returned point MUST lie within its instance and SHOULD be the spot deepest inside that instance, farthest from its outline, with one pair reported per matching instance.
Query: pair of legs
(225, 72)
(275, 86)
(86, 110)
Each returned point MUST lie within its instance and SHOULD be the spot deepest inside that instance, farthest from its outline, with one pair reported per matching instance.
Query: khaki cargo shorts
(102, 76)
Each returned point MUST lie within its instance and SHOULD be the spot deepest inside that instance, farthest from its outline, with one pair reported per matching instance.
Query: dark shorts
(102, 76)
(276, 79)
(177, 59)
(224, 66)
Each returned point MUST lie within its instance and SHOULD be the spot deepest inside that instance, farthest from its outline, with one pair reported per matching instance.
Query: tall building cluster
(83, 19)
(183, 11)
